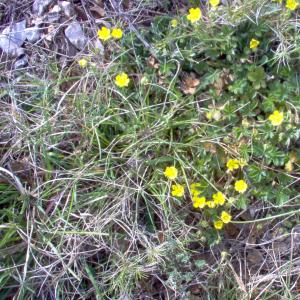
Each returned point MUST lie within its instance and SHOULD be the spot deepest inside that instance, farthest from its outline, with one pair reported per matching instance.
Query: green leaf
(282, 197)
(257, 74)
(239, 86)
(256, 173)
(241, 202)
(200, 263)
(268, 105)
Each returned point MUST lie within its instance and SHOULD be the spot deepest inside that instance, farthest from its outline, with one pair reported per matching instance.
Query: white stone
(16, 33)
(67, 8)
(75, 35)
(39, 6)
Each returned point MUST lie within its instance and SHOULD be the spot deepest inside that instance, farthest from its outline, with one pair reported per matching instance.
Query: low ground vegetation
(164, 167)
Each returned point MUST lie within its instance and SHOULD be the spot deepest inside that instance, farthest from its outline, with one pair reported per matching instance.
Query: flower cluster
(218, 199)
(234, 164)
(105, 33)
(195, 15)
(121, 80)
(199, 201)
(225, 218)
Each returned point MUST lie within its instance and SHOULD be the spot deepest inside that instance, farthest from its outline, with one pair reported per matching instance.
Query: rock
(9, 47)
(33, 34)
(76, 36)
(54, 14)
(99, 46)
(21, 62)
(67, 8)
(38, 21)
(39, 6)
(16, 33)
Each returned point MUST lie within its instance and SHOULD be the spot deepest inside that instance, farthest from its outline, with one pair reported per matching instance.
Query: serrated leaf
(200, 263)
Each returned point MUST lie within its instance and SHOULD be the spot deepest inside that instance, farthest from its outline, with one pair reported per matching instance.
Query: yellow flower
(291, 4)
(174, 23)
(122, 80)
(219, 198)
(104, 33)
(276, 118)
(211, 204)
(171, 172)
(225, 217)
(218, 224)
(195, 192)
(214, 3)
(254, 44)
(232, 164)
(117, 33)
(209, 115)
(82, 63)
(194, 188)
(194, 15)
(240, 186)
(199, 202)
(177, 190)
(289, 166)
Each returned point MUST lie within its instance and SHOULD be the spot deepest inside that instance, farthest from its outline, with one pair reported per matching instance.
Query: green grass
(88, 213)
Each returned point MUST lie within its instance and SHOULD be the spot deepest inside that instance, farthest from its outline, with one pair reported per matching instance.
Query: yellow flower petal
(254, 44)
(209, 115)
(232, 164)
(195, 189)
(82, 63)
(104, 33)
(171, 173)
(219, 198)
(211, 204)
(177, 190)
(291, 4)
(218, 224)
(214, 3)
(174, 23)
(122, 80)
(240, 186)
(117, 33)
(194, 15)
(289, 166)
(199, 202)
(225, 217)
(276, 118)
